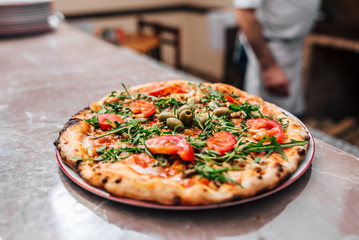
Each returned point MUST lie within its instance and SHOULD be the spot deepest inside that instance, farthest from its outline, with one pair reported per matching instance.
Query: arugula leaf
(284, 125)
(93, 122)
(111, 107)
(111, 123)
(204, 135)
(272, 146)
(111, 155)
(164, 103)
(76, 158)
(217, 174)
(161, 161)
(114, 130)
(278, 147)
(249, 110)
(212, 93)
(198, 144)
(129, 94)
(196, 119)
(257, 159)
(215, 158)
(101, 149)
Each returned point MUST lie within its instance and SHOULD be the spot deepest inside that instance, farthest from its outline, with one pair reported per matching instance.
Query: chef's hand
(275, 81)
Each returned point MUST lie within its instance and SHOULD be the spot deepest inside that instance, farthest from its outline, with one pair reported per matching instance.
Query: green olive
(164, 115)
(175, 124)
(186, 116)
(202, 119)
(184, 107)
(221, 111)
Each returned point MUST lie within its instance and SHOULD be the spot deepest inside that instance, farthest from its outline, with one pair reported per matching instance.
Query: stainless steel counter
(45, 79)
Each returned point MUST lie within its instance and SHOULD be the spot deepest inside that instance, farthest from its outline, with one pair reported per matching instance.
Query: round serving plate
(303, 166)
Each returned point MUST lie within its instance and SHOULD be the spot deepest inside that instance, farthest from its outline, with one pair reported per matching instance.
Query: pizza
(183, 143)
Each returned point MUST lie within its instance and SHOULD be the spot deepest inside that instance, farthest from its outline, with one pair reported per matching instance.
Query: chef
(272, 35)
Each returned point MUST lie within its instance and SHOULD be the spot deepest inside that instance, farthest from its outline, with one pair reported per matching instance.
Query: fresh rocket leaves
(272, 146)
(282, 123)
(164, 103)
(112, 107)
(117, 108)
(161, 161)
(210, 95)
(216, 174)
(93, 122)
(242, 149)
(135, 132)
(213, 94)
(249, 110)
(214, 158)
(129, 94)
(112, 155)
(198, 144)
(278, 147)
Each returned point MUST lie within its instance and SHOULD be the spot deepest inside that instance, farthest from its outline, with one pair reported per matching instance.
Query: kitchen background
(197, 37)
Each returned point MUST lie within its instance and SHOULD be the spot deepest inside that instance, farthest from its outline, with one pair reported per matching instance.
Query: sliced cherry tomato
(232, 99)
(171, 144)
(104, 125)
(222, 142)
(261, 127)
(165, 91)
(146, 108)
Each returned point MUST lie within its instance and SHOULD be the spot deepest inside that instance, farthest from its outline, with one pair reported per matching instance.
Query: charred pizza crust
(136, 176)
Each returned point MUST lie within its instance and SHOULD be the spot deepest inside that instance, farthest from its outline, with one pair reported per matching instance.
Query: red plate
(303, 166)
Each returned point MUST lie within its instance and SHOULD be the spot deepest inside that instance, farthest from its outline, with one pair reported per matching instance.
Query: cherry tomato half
(171, 144)
(222, 142)
(261, 127)
(232, 99)
(104, 125)
(146, 108)
(165, 91)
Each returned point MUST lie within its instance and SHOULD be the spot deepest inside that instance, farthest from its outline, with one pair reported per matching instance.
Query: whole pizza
(183, 143)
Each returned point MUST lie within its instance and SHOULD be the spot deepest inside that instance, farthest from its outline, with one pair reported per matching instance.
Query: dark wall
(333, 87)
(340, 18)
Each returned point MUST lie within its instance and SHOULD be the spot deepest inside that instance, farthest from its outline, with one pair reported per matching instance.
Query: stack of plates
(25, 17)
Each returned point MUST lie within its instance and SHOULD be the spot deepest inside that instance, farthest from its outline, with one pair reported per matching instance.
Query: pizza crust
(121, 179)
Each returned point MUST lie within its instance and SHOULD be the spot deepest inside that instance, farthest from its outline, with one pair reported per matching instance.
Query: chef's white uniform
(285, 24)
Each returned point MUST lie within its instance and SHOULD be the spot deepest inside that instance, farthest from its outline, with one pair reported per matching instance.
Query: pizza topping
(230, 149)
(164, 115)
(200, 121)
(232, 99)
(248, 110)
(171, 144)
(175, 124)
(146, 108)
(222, 142)
(261, 127)
(108, 120)
(217, 174)
(163, 89)
(183, 108)
(221, 111)
(214, 148)
(166, 90)
(186, 116)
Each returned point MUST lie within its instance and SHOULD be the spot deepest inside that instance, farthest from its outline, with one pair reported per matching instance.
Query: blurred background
(198, 37)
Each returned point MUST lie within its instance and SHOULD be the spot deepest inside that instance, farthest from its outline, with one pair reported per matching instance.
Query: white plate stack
(25, 17)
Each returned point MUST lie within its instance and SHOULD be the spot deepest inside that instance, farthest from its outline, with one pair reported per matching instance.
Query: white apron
(289, 57)
(285, 23)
